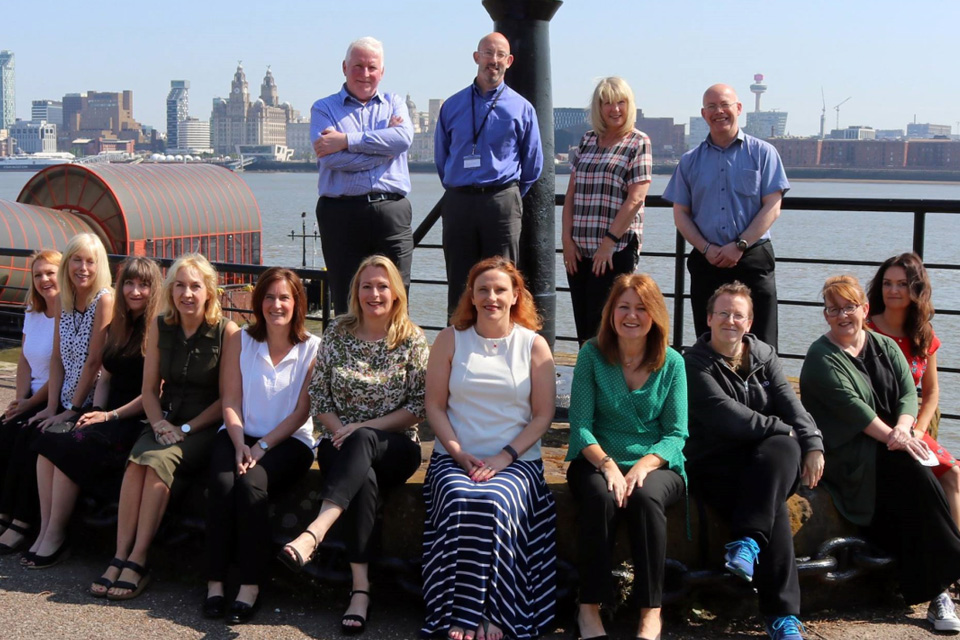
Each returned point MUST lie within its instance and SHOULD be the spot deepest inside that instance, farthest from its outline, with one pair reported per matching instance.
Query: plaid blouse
(601, 178)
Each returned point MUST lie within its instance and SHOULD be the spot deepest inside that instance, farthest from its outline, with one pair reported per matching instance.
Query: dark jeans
(19, 496)
(368, 462)
(238, 525)
(749, 487)
(478, 226)
(588, 292)
(352, 230)
(756, 270)
(646, 518)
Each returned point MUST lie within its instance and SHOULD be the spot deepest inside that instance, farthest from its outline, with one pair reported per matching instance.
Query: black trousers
(478, 226)
(369, 462)
(352, 230)
(756, 270)
(19, 496)
(646, 518)
(912, 522)
(588, 292)
(238, 524)
(749, 487)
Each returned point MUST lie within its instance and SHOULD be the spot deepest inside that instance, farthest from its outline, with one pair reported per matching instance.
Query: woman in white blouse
(266, 442)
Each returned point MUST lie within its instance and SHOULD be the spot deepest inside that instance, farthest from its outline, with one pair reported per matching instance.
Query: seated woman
(84, 312)
(489, 552)
(628, 423)
(858, 387)
(748, 435)
(901, 308)
(92, 455)
(33, 370)
(183, 354)
(266, 443)
(367, 395)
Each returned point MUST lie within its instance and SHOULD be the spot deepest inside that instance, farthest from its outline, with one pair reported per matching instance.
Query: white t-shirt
(37, 347)
(270, 393)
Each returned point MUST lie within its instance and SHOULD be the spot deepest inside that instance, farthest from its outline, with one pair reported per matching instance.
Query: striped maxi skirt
(489, 549)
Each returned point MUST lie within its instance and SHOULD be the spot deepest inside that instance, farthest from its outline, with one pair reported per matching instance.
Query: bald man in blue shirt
(726, 194)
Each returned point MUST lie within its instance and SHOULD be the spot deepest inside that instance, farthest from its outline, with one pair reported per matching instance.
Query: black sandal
(353, 630)
(55, 558)
(10, 549)
(296, 564)
(134, 589)
(106, 583)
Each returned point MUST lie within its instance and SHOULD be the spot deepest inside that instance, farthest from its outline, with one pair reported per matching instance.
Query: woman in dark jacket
(751, 443)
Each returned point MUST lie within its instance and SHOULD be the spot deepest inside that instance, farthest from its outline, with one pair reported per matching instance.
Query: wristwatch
(263, 445)
(69, 406)
(185, 428)
(742, 244)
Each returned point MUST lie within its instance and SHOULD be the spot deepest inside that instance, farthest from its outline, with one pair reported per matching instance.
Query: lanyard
(473, 113)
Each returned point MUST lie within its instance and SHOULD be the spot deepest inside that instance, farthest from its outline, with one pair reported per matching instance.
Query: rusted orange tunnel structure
(154, 210)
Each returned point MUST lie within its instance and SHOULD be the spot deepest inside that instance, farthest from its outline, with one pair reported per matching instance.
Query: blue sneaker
(741, 556)
(785, 628)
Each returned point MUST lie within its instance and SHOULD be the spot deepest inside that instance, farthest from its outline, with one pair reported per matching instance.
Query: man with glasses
(726, 195)
(361, 137)
(487, 152)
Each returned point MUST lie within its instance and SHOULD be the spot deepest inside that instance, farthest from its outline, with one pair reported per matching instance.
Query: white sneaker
(942, 614)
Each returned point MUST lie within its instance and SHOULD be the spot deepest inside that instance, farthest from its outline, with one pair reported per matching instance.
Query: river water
(822, 234)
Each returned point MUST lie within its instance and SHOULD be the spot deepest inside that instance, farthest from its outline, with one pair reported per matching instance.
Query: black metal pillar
(526, 25)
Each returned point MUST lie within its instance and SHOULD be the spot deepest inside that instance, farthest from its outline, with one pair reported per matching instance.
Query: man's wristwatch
(263, 445)
(185, 428)
(742, 244)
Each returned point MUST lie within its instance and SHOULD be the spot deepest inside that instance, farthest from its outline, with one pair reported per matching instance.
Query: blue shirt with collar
(724, 187)
(508, 145)
(375, 159)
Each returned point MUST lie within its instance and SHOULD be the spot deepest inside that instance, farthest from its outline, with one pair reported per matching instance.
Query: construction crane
(838, 111)
(823, 114)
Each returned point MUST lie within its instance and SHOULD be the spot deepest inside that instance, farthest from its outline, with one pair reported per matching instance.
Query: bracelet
(604, 461)
(512, 452)
(706, 247)
(611, 236)
(116, 416)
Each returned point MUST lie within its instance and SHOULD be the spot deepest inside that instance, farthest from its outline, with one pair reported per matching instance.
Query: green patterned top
(628, 424)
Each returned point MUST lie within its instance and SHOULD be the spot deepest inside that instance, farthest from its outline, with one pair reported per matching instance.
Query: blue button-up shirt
(724, 187)
(508, 145)
(376, 155)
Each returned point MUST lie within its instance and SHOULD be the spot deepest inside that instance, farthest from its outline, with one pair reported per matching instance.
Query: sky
(895, 61)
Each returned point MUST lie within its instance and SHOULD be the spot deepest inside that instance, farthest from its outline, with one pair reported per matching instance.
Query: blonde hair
(35, 301)
(101, 280)
(401, 328)
(843, 287)
(208, 274)
(612, 89)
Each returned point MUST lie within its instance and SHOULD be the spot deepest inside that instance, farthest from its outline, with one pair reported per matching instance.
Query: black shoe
(10, 549)
(241, 612)
(58, 556)
(361, 626)
(214, 607)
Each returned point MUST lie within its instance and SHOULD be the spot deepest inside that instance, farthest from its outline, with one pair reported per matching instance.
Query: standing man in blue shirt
(726, 195)
(487, 152)
(361, 137)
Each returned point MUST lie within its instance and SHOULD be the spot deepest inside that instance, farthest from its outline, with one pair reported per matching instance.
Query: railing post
(919, 231)
(526, 25)
(679, 284)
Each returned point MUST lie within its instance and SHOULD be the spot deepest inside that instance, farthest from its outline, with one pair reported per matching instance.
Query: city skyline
(669, 56)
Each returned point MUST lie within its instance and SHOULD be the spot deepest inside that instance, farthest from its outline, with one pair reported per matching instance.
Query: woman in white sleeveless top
(490, 397)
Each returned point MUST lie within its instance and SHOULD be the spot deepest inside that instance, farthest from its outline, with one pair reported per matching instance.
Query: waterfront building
(933, 154)
(433, 110)
(699, 130)
(927, 130)
(33, 137)
(798, 152)
(298, 139)
(6, 143)
(99, 114)
(8, 95)
(863, 153)
(855, 132)
(889, 134)
(178, 108)
(421, 149)
(766, 124)
(193, 136)
(237, 121)
(666, 137)
(47, 110)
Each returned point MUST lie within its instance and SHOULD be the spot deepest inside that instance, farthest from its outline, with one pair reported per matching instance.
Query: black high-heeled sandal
(297, 563)
(353, 630)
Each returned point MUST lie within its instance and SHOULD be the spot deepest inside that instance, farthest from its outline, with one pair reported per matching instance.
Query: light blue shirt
(724, 188)
(375, 159)
(508, 145)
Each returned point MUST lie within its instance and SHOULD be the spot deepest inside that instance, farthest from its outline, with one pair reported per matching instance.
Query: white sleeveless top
(489, 401)
(270, 393)
(38, 347)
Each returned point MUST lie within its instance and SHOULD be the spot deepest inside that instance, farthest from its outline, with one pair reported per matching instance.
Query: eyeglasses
(726, 315)
(833, 312)
(494, 55)
(726, 106)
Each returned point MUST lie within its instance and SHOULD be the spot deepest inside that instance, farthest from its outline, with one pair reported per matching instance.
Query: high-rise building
(193, 136)
(766, 124)
(927, 130)
(8, 94)
(177, 110)
(34, 137)
(235, 121)
(48, 111)
(699, 130)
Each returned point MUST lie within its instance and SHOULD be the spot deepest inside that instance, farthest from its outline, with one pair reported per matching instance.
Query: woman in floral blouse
(367, 398)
